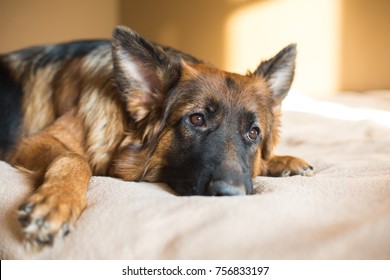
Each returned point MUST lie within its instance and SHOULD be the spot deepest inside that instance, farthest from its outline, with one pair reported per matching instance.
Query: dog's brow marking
(231, 84)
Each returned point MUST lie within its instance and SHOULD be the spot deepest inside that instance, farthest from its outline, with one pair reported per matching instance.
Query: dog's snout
(222, 188)
(227, 179)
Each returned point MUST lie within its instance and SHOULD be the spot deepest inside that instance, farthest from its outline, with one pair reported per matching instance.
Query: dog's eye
(253, 133)
(197, 119)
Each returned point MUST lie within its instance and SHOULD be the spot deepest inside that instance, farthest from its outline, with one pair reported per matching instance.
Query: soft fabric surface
(343, 212)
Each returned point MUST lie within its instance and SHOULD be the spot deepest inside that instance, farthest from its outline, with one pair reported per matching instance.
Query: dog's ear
(279, 72)
(142, 71)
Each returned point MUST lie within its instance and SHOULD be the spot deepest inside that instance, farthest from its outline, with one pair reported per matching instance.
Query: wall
(28, 22)
(237, 34)
(342, 44)
(196, 26)
(365, 45)
(260, 29)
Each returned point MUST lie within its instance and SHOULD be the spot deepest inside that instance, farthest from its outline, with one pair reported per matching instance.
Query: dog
(138, 111)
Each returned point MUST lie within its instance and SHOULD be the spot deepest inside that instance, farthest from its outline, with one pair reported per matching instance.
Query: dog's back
(39, 84)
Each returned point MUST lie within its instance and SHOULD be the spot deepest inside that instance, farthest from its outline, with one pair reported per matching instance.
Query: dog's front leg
(54, 207)
(283, 166)
(60, 175)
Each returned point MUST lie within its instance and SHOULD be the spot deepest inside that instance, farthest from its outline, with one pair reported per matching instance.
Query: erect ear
(143, 72)
(279, 72)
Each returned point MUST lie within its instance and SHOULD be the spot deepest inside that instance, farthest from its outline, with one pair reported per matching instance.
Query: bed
(343, 212)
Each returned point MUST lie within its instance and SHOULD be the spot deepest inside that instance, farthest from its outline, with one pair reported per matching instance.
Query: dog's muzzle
(228, 179)
(221, 188)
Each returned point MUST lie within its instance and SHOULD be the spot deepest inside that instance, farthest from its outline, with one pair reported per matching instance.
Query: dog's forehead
(233, 90)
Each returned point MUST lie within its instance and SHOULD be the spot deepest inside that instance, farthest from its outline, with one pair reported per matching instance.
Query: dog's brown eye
(197, 119)
(254, 133)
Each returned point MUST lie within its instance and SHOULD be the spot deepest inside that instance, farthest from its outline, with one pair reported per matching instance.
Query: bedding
(343, 212)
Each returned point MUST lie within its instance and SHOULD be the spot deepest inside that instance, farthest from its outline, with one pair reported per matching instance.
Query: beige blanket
(343, 212)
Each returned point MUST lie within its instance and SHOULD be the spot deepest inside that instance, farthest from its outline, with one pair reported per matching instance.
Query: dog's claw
(307, 171)
(24, 220)
(26, 208)
(65, 229)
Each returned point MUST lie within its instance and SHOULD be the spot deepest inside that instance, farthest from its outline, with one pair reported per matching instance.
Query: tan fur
(104, 128)
(38, 99)
(67, 82)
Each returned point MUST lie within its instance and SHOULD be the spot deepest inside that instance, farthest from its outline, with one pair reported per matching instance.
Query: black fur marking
(70, 50)
(230, 83)
(11, 96)
(42, 56)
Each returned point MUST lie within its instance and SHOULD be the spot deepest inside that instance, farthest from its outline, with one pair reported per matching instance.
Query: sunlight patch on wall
(258, 30)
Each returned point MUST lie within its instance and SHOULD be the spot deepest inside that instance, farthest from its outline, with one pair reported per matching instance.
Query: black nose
(228, 179)
(221, 188)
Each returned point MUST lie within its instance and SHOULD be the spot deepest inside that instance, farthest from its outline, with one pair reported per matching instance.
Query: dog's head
(199, 129)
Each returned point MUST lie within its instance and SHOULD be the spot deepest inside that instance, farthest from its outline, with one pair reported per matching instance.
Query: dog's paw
(284, 166)
(303, 170)
(46, 217)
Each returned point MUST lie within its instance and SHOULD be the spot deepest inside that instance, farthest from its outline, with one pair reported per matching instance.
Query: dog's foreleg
(61, 176)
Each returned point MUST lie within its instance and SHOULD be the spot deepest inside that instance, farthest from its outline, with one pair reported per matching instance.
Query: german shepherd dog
(138, 111)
